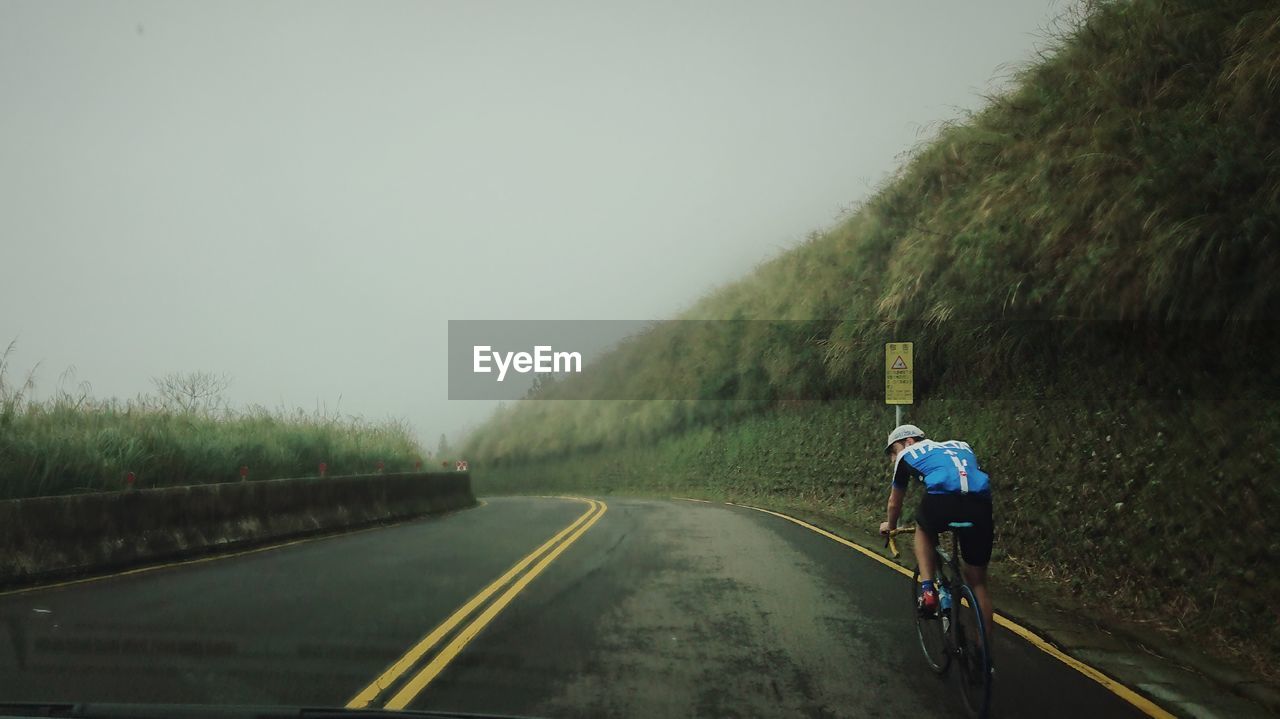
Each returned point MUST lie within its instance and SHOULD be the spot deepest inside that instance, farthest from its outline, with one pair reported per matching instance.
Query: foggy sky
(301, 195)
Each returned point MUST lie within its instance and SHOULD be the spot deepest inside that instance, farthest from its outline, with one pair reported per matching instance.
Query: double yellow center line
(517, 577)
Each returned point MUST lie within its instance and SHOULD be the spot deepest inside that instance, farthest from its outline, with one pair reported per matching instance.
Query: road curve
(637, 608)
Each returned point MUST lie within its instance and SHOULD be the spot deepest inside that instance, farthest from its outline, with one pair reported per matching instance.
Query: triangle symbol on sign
(898, 364)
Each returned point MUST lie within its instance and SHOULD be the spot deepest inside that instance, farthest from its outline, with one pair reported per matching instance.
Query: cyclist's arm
(902, 474)
(895, 505)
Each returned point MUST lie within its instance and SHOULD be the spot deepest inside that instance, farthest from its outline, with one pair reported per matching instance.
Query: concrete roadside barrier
(46, 538)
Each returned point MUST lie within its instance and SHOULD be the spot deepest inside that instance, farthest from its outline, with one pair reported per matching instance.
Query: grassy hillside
(73, 443)
(1132, 174)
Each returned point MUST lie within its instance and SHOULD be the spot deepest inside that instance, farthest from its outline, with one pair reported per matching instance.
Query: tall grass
(1131, 173)
(72, 442)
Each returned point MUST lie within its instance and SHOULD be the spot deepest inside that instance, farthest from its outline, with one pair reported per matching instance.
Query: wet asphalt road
(658, 609)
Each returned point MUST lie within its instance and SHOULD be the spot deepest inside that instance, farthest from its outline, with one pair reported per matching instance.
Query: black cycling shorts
(936, 510)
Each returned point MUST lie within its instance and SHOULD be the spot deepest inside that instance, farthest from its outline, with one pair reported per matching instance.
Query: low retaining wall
(44, 538)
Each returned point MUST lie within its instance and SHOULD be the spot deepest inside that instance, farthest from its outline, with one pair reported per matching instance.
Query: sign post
(899, 378)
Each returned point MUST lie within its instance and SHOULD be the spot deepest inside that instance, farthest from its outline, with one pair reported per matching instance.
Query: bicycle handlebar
(892, 545)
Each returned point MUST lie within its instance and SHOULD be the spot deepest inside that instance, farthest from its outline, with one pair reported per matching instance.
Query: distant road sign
(899, 380)
(461, 465)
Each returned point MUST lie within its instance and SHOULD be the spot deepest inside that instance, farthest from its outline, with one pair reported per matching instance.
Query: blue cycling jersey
(943, 467)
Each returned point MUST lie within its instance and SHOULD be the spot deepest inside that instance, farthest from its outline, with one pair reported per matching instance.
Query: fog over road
(639, 608)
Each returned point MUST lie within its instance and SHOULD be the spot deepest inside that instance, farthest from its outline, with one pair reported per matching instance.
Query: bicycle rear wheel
(973, 657)
(932, 634)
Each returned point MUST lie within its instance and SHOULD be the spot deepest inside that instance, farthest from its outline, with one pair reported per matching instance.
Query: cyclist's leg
(926, 538)
(926, 557)
(975, 548)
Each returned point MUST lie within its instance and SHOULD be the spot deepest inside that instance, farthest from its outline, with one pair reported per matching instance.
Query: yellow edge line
(874, 555)
(417, 651)
(229, 555)
(433, 669)
(1142, 703)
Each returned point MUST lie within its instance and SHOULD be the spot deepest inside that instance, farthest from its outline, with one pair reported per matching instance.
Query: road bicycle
(956, 633)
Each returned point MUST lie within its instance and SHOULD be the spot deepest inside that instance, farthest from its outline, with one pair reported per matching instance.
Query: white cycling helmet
(902, 432)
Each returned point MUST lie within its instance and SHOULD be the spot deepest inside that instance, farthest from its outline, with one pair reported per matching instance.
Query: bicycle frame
(949, 560)
(949, 577)
(946, 560)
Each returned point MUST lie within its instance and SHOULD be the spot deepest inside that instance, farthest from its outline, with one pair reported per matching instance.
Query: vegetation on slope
(74, 443)
(1131, 174)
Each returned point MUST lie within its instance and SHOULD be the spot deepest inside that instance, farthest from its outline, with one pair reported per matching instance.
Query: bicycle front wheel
(932, 633)
(971, 640)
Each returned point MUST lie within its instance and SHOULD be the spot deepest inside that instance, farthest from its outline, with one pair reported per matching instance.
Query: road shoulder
(1179, 679)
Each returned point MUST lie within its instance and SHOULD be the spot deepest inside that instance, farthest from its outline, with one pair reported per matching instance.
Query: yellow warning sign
(898, 378)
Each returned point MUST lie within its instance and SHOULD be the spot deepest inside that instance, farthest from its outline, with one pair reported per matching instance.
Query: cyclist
(955, 490)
